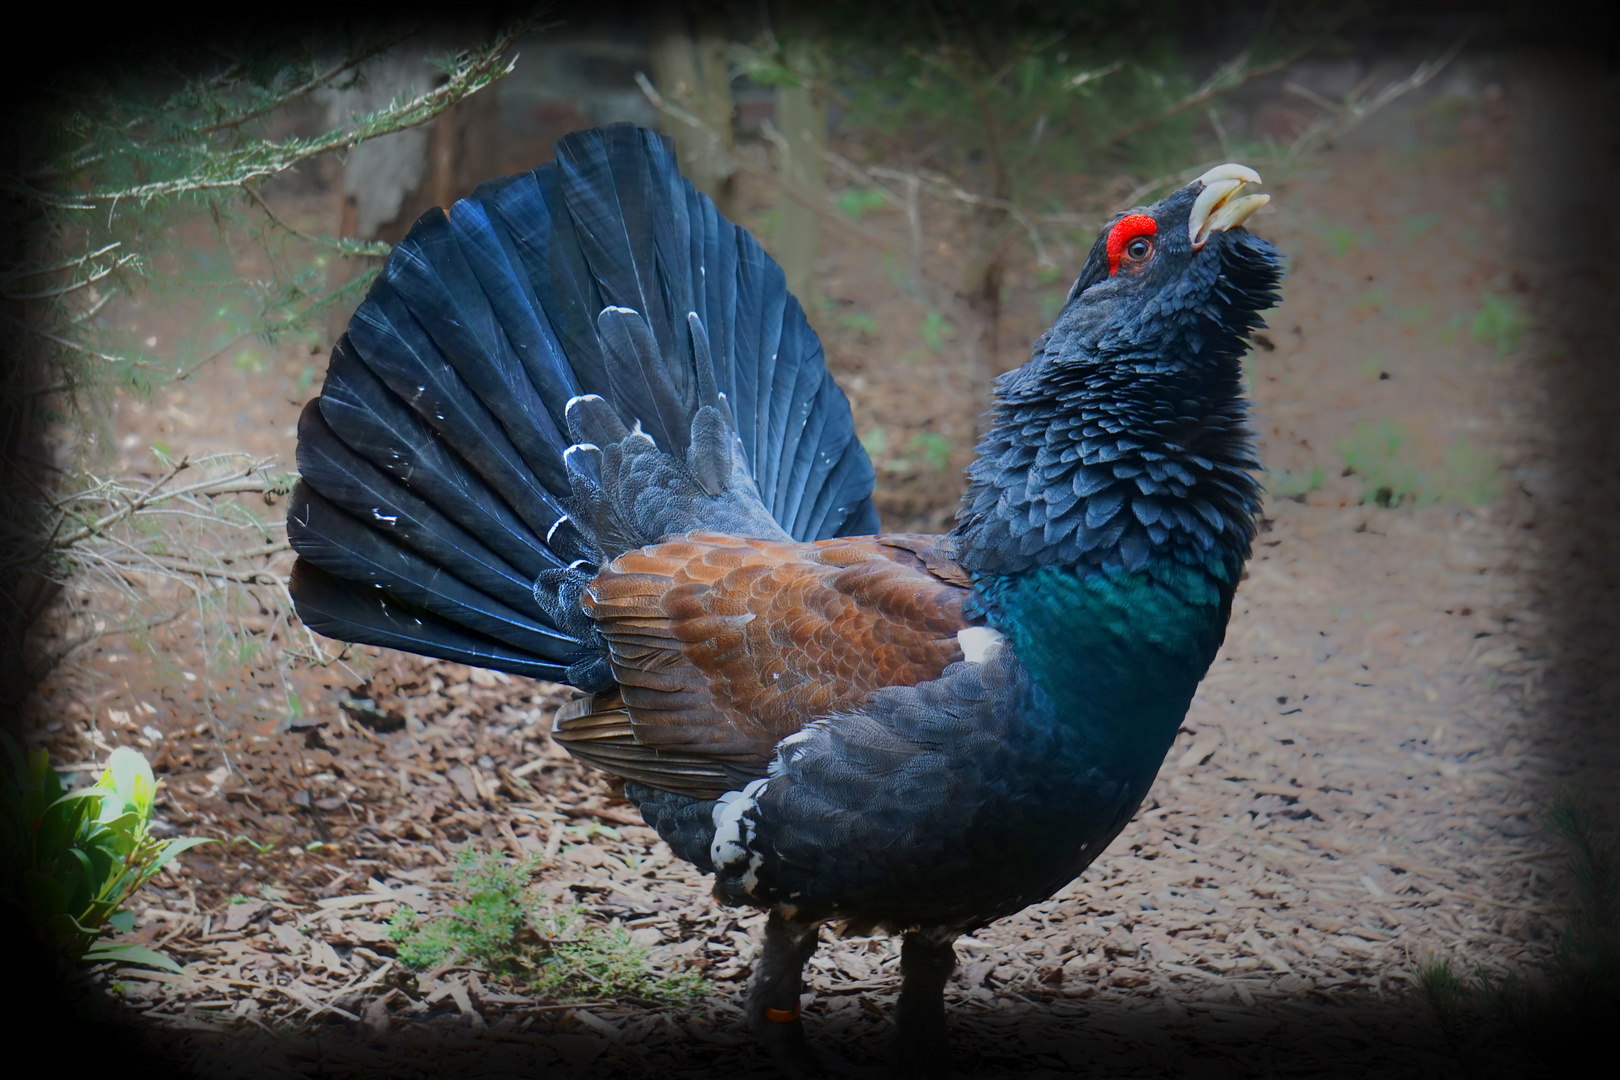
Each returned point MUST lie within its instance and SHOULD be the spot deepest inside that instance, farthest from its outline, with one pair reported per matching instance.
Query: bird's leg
(773, 997)
(921, 1046)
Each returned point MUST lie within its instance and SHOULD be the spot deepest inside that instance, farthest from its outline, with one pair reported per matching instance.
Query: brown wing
(723, 646)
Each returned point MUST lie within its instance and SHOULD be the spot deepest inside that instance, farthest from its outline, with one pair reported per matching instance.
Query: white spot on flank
(386, 519)
(977, 641)
(731, 831)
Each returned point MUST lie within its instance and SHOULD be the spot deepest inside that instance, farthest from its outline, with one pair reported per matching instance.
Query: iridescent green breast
(1118, 653)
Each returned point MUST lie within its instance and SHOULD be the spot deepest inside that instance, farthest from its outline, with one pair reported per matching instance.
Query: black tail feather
(394, 345)
(435, 282)
(365, 492)
(350, 612)
(360, 553)
(382, 429)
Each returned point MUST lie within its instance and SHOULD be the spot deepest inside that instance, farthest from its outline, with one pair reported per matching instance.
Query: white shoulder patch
(977, 641)
(790, 749)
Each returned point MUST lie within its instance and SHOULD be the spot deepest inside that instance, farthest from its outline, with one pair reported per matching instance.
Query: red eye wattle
(1125, 230)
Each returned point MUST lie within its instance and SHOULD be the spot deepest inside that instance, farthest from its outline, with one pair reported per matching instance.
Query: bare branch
(1228, 77)
(26, 271)
(53, 659)
(262, 159)
(250, 479)
(1345, 116)
(62, 290)
(81, 349)
(187, 372)
(346, 246)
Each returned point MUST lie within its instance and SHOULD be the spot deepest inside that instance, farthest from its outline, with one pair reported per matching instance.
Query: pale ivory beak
(1216, 209)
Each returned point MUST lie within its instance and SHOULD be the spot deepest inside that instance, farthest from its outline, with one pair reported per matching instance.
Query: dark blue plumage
(434, 462)
(579, 430)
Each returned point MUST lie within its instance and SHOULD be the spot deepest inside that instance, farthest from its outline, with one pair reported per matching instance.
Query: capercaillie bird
(580, 431)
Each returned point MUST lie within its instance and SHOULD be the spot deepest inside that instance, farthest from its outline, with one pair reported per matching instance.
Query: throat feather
(1110, 478)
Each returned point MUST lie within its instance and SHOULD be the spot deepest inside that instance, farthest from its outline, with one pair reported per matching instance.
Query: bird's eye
(1139, 249)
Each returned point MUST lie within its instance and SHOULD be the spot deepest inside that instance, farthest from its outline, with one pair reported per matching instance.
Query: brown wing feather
(723, 646)
(597, 729)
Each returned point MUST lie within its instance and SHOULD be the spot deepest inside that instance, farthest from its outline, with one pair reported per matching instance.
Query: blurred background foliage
(109, 170)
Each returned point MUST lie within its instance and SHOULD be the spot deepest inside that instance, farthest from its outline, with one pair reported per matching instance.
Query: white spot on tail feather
(977, 641)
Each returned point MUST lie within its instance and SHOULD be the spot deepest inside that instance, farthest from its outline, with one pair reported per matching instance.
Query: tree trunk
(691, 71)
(801, 116)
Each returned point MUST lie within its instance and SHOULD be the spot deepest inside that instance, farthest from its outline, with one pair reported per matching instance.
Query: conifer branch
(275, 102)
(260, 159)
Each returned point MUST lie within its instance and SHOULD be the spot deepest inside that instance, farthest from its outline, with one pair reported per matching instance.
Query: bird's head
(1125, 435)
(1174, 283)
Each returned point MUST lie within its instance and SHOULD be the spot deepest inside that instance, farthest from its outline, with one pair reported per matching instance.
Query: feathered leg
(922, 1048)
(773, 997)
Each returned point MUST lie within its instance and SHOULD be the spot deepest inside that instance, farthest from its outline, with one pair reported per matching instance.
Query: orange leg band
(783, 1016)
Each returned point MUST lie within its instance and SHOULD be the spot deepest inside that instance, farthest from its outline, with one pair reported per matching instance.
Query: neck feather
(1108, 467)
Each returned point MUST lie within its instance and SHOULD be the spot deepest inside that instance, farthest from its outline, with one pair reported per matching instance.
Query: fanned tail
(570, 364)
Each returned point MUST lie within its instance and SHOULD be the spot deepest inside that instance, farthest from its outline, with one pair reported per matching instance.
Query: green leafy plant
(1341, 240)
(1414, 227)
(1374, 298)
(589, 961)
(1471, 474)
(499, 925)
(934, 449)
(72, 860)
(875, 442)
(1050, 302)
(1373, 452)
